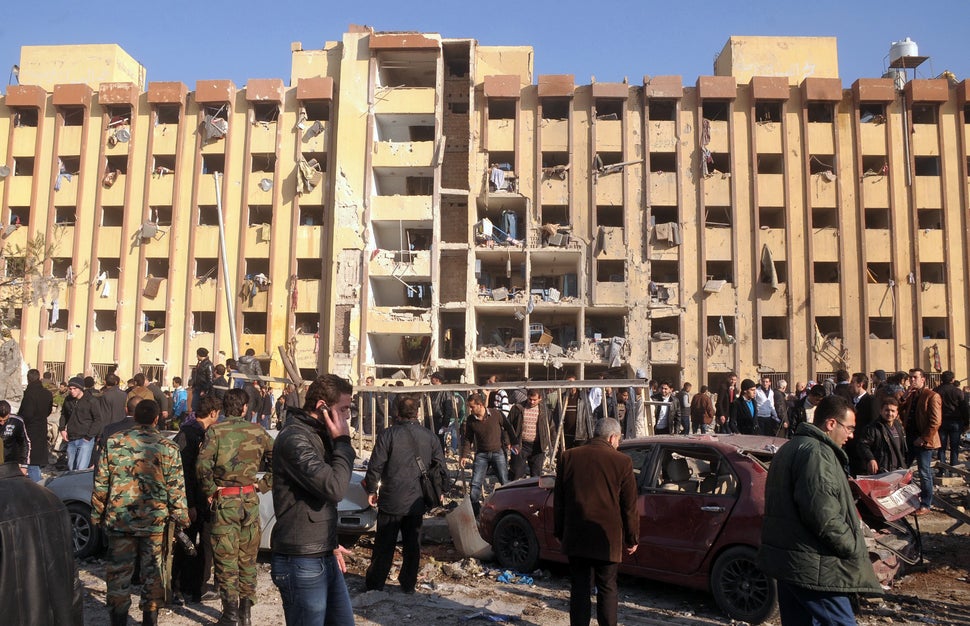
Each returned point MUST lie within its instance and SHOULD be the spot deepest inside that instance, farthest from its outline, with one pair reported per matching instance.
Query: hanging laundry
(214, 127)
(510, 223)
(55, 312)
(722, 329)
(497, 178)
(69, 275)
(668, 232)
(61, 173)
(310, 175)
(110, 178)
(768, 274)
(105, 284)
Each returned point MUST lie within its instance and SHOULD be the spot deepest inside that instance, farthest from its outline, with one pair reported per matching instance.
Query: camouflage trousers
(235, 542)
(122, 551)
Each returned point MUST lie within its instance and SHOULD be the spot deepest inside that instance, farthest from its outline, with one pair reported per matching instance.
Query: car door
(686, 496)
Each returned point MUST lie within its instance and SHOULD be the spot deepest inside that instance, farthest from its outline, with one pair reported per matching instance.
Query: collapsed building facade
(409, 202)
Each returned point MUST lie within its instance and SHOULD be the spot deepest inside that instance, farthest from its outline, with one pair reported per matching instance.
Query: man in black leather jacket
(312, 463)
(38, 577)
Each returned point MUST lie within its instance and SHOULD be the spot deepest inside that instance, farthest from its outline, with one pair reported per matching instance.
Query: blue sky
(188, 41)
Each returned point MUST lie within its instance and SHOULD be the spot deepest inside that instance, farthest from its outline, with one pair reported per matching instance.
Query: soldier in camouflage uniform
(138, 488)
(231, 454)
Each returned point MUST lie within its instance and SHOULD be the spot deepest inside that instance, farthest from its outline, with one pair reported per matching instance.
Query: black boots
(245, 604)
(119, 619)
(149, 618)
(230, 613)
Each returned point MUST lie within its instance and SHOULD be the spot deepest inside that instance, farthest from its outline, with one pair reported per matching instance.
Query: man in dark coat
(881, 446)
(202, 380)
(394, 469)
(742, 415)
(812, 542)
(530, 420)
(38, 576)
(113, 400)
(189, 573)
(727, 393)
(35, 408)
(596, 519)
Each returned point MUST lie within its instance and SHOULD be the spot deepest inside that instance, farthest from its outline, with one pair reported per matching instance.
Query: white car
(355, 517)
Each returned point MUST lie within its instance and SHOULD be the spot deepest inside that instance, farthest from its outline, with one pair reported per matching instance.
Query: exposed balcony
(166, 139)
(931, 246)
(263, 138)
(820, 139)
(408, 208)
(609, 135)
(665, 352)
(825, 244)
(609, 190)
(661, 136)
(822, 193)
(928, 192)
(826, 299)
(771, 189)
(405, 100)
(501, 135)
(403, 153)
(878, 244)
(882, 352)
(555, 135)
(873, 138)
(663, 188)
(875, 191)
(769, 137)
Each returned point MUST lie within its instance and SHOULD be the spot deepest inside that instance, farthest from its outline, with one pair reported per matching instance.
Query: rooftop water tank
(905, 48)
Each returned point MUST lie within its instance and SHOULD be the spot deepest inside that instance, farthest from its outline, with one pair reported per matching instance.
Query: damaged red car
(701, 504)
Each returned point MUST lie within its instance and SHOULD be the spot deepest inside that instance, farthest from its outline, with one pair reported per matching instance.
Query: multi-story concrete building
(409, 200)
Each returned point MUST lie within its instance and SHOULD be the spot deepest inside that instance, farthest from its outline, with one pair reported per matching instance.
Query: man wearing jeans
(312, 463)
(922, 415)
(80, 424)
(483, 432)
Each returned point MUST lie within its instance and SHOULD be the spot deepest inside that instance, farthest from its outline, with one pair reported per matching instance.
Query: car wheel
(741, 589)
(85, 535)
(515, 544)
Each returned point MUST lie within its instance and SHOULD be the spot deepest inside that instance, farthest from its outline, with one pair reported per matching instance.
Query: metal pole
(230, 292)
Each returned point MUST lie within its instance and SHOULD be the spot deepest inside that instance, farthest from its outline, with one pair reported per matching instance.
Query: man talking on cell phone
(312, 463)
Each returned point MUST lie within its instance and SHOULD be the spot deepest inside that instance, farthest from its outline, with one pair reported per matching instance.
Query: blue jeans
(950, 432)
(313, 590)
(33, 473)
(482, 462)
(79, 453)
(799, 606)
(924, 458)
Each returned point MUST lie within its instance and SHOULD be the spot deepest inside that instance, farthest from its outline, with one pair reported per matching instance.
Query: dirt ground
(453, 590)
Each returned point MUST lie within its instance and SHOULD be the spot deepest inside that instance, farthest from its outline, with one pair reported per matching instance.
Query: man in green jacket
(811, 540)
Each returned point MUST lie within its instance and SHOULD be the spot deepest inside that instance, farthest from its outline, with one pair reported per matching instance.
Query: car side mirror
(547, 482)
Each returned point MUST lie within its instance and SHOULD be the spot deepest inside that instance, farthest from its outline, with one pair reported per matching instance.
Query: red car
(701, 505)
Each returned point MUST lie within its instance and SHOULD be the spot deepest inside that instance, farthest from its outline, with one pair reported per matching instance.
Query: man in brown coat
(596, 519)
(922, 414)
(702, 412)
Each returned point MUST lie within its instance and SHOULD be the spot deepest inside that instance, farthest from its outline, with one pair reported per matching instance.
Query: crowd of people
(204, 481)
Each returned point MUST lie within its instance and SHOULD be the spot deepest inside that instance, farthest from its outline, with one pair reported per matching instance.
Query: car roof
(739, 443)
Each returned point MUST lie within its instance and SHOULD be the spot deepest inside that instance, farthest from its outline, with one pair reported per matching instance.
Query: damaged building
(408, 201)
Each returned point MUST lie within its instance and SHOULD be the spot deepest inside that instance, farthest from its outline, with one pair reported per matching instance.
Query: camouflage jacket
(232, 454)
(138, 484)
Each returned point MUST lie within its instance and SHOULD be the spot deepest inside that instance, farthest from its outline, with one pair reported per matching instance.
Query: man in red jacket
(596, 519)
